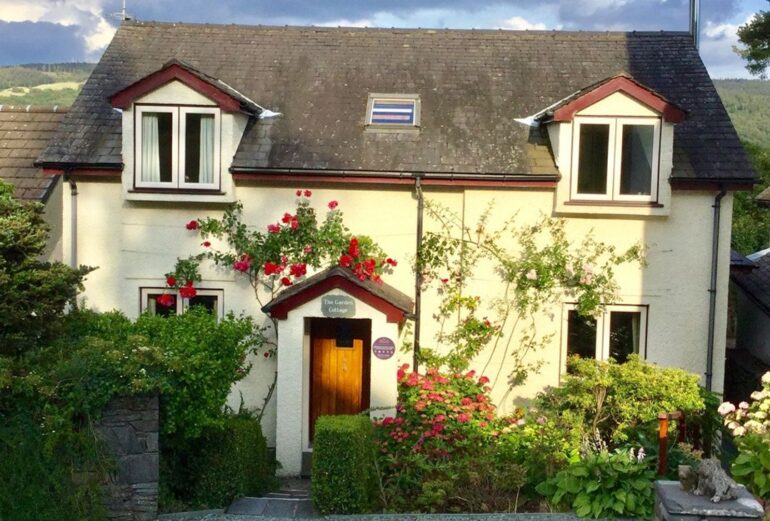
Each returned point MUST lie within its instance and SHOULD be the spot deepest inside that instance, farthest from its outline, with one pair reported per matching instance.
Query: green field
(43, 84)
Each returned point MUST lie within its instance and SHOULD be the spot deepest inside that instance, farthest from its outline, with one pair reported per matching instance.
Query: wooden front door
(339, 360)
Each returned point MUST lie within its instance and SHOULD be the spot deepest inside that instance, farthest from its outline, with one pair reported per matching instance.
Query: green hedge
(343, 473)
(224, 463)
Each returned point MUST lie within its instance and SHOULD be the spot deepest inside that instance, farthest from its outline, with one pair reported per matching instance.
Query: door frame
(366, 366)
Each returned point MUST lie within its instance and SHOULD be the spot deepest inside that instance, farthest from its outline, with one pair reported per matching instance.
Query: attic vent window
(393, 111)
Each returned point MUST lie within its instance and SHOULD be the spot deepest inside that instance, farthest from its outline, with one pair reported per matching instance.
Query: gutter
(399, 175)
(717, 206)
(418, 273)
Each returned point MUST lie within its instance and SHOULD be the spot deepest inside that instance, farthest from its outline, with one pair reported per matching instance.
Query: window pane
(156, 308)
(210, 302)
(592, 170)
(636, 165)
(199, 148)
(581, 335)
(156, 147)
(624, 334)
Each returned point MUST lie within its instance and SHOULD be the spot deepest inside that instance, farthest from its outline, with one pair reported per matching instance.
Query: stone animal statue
(710, 480)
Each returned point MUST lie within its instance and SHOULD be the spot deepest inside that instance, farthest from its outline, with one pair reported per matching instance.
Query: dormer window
(615, 159)
(177, 147)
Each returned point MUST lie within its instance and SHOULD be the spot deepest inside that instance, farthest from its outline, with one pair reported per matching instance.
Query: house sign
(383, 348)
(338, 306)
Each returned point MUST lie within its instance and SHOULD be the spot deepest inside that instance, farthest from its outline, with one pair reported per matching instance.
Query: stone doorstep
(290, 508)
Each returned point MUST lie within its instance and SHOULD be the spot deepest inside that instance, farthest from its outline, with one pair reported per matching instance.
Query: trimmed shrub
(613, 401)
(343, 466)
(224, 463)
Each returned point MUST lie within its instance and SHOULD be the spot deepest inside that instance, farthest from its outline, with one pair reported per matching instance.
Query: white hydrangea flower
(754, 426)
(756, 395)
(743, 405)
(766, 378)
(759, 415)
(726, 408)
(733, 425)
(739, 431)
(641, 455)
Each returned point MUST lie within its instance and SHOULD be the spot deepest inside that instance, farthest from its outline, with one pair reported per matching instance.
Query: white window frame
(183, 111)
(602, 351)
(140, 111)
(178, 142)
(615, 158)
(182, 304)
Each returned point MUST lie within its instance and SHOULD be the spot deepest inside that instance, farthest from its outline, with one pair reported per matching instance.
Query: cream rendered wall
(135, 243)
(293, 400)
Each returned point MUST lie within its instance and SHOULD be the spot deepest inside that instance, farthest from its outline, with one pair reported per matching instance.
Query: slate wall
(130, 426)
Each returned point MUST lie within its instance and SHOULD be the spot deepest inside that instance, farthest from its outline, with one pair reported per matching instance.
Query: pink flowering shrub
(442, 444)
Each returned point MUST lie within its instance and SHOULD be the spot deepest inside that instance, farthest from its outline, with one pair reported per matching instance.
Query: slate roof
(472, 84)
(24, 132)
(756, 283)
(764, 197)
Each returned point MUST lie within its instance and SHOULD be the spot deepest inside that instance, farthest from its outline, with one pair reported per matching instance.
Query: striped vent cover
(392, 112)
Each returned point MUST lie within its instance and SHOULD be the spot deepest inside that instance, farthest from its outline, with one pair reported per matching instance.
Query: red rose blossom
(192, 225)
(286, 281)
(353, 248)
(299, 193)
(273, 228)
(308, 249)
(171, 281)
(188, 291)
(165, 300)
(287, 217)
(298, 270)
(206, 244)
(243, 265)
(391, 262)
(308, 193)
(271, 268)
(345, 261)
(332, 205)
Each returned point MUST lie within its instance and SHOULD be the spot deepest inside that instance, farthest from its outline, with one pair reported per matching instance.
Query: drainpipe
(713, 288)
(418, 273)
(73, 218)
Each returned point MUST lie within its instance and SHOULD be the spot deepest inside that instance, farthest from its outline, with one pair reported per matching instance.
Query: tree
(751, 223)
(33, 293)
(755, 36)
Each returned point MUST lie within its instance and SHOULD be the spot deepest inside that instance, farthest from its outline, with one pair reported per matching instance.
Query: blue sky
(79, 30)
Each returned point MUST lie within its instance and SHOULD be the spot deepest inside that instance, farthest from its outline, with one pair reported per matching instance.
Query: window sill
(179, 191)
(620, 204)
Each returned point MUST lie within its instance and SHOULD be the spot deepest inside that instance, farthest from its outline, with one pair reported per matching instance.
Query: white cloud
(88, 16)
(716, 50)
(344, 22)
(519, 23)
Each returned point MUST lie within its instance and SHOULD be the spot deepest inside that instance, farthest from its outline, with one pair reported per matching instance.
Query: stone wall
(129, 427)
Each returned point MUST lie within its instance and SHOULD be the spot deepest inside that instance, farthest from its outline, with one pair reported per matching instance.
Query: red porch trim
(281, 310)
(671, 113)
(123, 98)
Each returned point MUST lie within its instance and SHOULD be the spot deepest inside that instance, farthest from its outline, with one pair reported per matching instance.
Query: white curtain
(206, 158)
(150, 148)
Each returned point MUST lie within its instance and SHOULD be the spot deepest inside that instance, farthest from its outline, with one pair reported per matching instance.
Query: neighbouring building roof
(740, 263)
(756, 283)
(472, 86)
(24, 133)
(764, 197)
(383, 297)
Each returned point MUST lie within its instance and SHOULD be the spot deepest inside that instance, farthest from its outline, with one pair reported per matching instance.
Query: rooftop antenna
(695, 22)
(122, 15)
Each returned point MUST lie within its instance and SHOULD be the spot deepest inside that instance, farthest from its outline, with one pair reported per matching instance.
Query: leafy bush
(37, 471)
(439, 452)
(225, 462)
(343, 472)
(604, 485)
(750, 427)
(614, 400)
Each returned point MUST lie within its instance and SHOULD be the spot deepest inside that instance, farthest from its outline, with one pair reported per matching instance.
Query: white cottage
(621, 134)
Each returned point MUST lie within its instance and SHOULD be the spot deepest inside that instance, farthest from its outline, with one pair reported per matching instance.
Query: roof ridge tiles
(32, 108)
